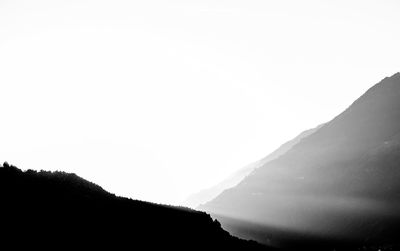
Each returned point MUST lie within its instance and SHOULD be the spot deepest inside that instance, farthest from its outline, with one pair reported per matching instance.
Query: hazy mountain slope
(59, 211)
(340, 182)
(208, 194)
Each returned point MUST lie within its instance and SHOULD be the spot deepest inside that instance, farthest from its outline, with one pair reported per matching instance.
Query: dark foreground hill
(340, 185)
(57, 210)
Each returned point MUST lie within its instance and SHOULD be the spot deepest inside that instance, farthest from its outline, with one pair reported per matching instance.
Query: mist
(187, 90)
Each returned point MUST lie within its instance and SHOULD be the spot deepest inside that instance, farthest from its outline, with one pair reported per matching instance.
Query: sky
(156, 100)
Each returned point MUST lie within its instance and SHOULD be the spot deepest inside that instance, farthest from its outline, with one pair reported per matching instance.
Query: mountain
(57, 211)
(208, 194)
(338, 185)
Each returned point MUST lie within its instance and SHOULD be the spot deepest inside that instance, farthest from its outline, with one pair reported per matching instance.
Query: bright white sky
(156, 100)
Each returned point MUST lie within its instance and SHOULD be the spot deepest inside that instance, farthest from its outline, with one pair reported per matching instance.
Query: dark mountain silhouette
(339, 185)
(57, 210)
(207, 195)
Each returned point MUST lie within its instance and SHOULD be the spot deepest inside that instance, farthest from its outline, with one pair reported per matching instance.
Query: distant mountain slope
(63, 211)
(342, 182)
(207, 195)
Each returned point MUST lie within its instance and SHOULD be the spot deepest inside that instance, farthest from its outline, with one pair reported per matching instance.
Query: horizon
(158, 101)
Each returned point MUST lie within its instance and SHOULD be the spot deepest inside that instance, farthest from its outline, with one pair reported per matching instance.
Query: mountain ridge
(321, 186)
(234, 179)
(57, 210)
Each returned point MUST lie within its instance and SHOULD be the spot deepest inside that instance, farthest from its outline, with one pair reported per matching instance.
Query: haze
(156, 100)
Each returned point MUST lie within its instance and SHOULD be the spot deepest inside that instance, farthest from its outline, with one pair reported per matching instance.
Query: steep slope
(207, 195)
(340, 183)
(63, 211)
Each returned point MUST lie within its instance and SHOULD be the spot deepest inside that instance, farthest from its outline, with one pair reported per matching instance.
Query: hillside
(208, 194)
(339, 184)
(57, 210)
